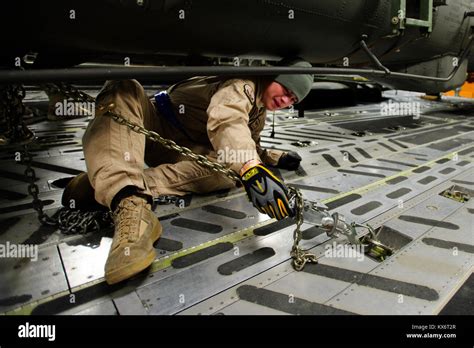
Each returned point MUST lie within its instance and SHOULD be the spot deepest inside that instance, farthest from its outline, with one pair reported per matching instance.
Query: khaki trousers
(115, 155)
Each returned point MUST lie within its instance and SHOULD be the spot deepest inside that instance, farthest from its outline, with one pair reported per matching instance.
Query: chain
(165, 199)
(74, 221)
(171, 145)
(9, 110)
(170, 199)
(33, 190)
(73, 93)
(14, 131)
(300, 256)
(68, 91)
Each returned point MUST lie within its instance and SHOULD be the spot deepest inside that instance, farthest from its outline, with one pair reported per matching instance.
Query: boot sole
(130, 270)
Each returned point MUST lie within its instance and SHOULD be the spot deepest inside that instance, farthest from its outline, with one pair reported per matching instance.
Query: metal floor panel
(379, 195)
(175, 293)
(356, 180)
(84, 263)
(436, 209)
(24, 228)
(340, 295)
(283, 275)
(84, 259)
(129, 304)
(248, 308)
(420, 264)
(102, 308)
(23, 280)
(193, 235)
(312, 288)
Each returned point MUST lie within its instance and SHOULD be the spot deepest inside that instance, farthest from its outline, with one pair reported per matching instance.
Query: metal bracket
(400, 21)
(456, 193)
(336, 226)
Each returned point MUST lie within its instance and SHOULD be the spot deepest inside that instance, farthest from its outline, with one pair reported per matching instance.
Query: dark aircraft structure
(424, 37)
(401, 162)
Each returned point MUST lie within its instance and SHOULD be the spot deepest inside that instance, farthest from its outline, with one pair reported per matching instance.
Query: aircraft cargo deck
(218, 255)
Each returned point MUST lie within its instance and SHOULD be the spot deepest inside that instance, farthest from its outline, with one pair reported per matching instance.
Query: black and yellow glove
(266, 192)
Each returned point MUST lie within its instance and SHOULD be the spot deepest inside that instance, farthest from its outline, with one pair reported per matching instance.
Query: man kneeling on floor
(220, 118)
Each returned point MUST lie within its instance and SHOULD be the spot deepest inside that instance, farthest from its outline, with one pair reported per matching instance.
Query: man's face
(276, 97)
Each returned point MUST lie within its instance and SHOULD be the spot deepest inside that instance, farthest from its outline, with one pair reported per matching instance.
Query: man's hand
(266, 192)
(289, 160)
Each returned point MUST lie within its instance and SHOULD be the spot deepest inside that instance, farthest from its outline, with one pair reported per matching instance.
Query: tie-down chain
(314, 213)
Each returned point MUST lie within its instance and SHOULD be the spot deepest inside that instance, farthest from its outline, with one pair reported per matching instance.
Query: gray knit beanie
(299, 84)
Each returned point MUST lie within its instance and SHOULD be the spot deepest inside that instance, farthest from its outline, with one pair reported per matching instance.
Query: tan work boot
(136, 229)
(79, 194)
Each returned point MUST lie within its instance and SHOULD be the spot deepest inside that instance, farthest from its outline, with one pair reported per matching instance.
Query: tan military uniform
(218, 115)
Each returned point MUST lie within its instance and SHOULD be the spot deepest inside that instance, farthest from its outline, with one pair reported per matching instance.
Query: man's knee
(131, 88)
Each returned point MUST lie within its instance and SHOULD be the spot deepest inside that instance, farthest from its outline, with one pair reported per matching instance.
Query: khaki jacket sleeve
(268, 156)
(227, 125)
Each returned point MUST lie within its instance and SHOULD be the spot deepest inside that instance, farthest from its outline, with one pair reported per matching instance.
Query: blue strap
(163, 104)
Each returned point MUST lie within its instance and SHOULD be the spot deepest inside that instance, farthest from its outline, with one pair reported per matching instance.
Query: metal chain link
(33, 190)
(16, 133)
(12, 110)
(300, 257)
(75, 221)
(68, 91)
(9, 108)
(171, 145)
(73, 93)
